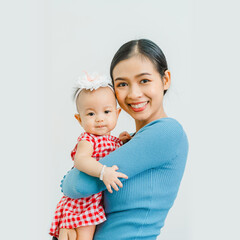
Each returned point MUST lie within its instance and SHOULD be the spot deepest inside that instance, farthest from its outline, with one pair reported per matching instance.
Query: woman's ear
(77, 116)
(166, 80)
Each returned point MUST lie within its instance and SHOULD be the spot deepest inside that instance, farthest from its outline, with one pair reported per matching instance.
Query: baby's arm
(83, 160)
(87, 164)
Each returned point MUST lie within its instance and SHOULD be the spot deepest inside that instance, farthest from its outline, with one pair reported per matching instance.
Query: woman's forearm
(76, 184)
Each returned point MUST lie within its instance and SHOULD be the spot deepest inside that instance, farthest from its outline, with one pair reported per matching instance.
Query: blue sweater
(154, 160)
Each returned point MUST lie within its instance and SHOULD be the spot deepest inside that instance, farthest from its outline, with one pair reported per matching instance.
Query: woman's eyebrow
(141, 74)
(119, 79)
(138, 75)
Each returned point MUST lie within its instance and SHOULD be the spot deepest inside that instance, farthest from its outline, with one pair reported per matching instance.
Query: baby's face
(98, 111)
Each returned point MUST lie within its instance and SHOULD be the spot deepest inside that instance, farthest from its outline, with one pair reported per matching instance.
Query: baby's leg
(85, 232)
(67, 234)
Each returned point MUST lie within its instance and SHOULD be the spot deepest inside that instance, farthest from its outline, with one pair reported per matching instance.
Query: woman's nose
(134, 92)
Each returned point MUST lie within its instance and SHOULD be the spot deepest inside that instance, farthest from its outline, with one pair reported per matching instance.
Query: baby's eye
(122, 84)
(90, 114)
(144, 81)
(107, 111)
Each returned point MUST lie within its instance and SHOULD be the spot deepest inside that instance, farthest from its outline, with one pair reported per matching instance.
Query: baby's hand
(110, 178)
(125, 137)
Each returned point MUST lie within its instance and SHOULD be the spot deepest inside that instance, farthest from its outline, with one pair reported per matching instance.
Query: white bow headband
(92, 82)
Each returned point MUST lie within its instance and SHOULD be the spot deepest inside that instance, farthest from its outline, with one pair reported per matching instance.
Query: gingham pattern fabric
(73, 213)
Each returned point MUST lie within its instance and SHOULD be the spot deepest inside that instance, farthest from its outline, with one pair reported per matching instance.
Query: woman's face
(139, 89)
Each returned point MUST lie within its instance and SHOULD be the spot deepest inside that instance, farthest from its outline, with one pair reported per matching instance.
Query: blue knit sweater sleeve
(153, 146)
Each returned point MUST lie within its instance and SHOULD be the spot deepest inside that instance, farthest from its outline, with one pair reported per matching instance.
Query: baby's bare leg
(67, 234)
(85, 232)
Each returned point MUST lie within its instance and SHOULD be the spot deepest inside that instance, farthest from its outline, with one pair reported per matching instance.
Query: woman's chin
(139, 116)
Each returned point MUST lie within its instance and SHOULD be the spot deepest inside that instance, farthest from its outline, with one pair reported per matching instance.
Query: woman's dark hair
(142, 47)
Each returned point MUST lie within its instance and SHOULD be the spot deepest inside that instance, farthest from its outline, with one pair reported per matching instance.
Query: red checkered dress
(73, 213)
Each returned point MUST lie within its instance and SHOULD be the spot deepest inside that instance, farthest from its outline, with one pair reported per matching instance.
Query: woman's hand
(125, 137)
(110, 178)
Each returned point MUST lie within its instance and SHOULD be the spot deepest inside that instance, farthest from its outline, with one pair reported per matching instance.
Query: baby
(76, 219)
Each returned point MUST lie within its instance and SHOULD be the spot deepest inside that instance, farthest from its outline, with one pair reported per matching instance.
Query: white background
(44, 47)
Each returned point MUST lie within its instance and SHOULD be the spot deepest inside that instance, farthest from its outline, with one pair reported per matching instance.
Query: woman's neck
(141, 123)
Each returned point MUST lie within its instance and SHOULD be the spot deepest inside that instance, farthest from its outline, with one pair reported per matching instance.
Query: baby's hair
(91, 82)
(76, 91)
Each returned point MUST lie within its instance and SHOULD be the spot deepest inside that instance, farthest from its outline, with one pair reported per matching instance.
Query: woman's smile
(138, 107)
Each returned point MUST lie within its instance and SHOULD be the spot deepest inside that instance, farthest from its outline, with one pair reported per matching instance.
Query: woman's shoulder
(163, 125)
(165, 132)
(166, 120)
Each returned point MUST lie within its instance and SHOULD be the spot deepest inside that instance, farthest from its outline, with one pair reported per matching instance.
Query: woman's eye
(122, 85)
(144, 81)
(90, 114)
(107, 111)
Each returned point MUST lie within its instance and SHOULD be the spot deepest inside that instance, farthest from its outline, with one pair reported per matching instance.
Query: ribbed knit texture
(154, 161)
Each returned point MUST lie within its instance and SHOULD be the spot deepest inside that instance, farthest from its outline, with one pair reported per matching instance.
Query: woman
(154, 159)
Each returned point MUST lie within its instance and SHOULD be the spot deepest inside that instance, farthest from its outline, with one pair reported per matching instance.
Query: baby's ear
(77, 116)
